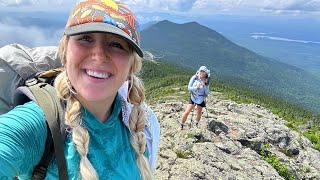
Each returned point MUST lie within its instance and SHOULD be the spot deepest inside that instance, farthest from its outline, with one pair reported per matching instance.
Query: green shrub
(275, 162)
(313, 134)
(295, 115)
(163, 81)
(183, 154)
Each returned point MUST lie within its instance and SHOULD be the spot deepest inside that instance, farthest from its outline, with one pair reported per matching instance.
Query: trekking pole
(191, 121)
(206, 109)
(207, 117)
(208, 82)
(194, 106)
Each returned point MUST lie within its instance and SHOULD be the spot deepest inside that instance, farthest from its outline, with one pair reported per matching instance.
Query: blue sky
(297, 8)
(146, 11)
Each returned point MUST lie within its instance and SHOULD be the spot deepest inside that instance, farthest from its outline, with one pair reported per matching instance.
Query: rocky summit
(233, 141)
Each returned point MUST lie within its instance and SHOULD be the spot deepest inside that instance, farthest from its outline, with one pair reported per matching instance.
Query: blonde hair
(80, 134)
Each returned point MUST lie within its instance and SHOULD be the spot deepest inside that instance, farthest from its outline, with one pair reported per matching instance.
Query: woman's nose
(100, 52)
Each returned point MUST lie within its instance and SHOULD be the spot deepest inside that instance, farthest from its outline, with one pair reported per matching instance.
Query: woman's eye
(116, 45)
(86, 39)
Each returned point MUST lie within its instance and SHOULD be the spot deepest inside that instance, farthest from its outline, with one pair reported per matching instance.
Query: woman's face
(203, 74)
(97, 65)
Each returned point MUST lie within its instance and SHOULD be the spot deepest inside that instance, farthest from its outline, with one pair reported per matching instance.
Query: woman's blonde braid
(136, 124)
(80, 135)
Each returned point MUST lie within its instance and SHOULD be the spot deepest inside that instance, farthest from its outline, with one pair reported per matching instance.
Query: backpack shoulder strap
(45, 96)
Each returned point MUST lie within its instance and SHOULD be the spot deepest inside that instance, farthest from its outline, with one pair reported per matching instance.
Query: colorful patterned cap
(104, 16)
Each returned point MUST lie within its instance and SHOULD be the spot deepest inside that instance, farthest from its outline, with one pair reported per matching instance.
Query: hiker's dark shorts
(203, 104)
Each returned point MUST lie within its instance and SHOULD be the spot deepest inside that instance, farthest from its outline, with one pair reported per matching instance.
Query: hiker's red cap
(104, 16)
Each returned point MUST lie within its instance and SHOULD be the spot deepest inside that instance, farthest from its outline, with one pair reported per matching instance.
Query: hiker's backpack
(27, 74)
(19, 63)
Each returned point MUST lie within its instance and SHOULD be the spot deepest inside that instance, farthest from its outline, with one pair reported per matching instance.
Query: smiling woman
(98, 62)
(111, 132)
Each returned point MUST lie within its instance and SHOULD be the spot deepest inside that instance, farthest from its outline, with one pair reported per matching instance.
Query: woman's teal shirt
(23, 135)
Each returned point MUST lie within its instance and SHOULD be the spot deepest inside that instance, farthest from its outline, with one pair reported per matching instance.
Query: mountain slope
(234, 141)
(231, 137)
(192, 45)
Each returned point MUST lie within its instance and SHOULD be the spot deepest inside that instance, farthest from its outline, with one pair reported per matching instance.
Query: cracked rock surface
(228, 143)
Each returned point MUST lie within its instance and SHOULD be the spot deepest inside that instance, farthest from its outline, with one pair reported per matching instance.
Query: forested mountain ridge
(192, 45)
(240, 139)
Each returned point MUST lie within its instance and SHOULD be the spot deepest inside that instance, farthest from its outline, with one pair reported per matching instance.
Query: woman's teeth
(98, 75)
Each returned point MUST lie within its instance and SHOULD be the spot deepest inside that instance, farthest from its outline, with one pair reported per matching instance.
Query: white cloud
(145, 19)
(229, 6)
(303, 5)
(195, 6)
(224, 5)
(13, 3)
(31, 36)
(162, 5)
(270, 6)
(37, 3)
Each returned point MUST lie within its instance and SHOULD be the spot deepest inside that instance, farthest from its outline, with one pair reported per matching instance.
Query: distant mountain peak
(190, 24)
(189, 34)
(192, 44)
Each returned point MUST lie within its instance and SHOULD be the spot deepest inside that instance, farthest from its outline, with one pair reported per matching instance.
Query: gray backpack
(27, 74)
(19, 63)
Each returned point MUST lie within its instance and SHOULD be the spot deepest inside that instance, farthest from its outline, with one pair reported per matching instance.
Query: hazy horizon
(287, 25)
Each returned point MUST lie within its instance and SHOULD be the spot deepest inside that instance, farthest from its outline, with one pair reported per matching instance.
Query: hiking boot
(197, 125)
(190, 124)
(181, 127)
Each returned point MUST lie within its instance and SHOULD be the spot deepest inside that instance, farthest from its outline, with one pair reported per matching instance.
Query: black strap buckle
(39, 173)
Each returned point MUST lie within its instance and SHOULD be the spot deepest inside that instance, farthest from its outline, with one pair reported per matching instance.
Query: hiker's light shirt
(197, 95)
(23, 139)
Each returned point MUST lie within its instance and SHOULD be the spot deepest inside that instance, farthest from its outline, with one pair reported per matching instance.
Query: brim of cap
(101, 27)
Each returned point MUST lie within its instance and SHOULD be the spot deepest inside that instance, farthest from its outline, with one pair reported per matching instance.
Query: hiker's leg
(198, 113)
(186, 113)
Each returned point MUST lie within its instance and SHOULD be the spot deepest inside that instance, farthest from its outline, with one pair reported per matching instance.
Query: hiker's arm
(23, 135)
(206, 89)
(190, 85)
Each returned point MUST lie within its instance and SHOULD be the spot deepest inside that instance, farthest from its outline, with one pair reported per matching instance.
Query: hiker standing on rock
(110, 132)
(199, 90)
